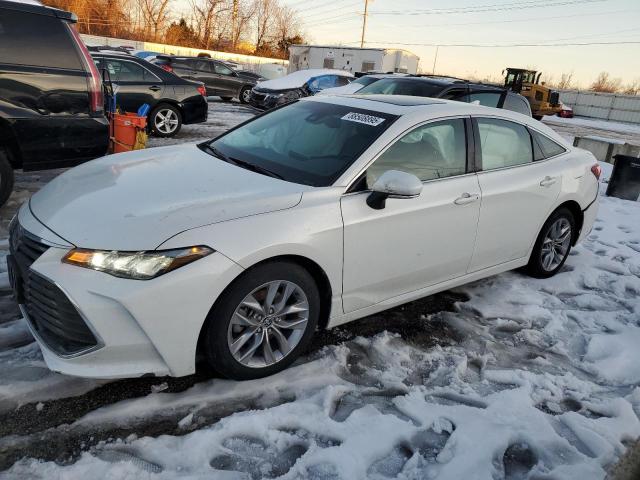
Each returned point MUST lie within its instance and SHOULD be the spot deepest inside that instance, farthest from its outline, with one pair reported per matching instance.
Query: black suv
(173, 100)
(451, 89)
(217, 77)
(51, 101)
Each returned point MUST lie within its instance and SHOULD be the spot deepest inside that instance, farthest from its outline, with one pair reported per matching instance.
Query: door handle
(466, 198)
(547, 181)
(155, 88)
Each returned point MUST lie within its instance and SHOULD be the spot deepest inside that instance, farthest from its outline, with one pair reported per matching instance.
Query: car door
(203, 72)
(419, 242)
(230, 82)
(136, 85)
(518, 193)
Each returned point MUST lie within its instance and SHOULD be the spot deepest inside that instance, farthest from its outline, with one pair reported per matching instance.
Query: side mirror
(393, 184)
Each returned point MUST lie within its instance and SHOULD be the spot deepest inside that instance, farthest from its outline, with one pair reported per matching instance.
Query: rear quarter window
(544, 147)
(36, 40)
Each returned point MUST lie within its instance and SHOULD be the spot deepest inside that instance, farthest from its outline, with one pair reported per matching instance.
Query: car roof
(445, 81)
(36, 7)
(426, 108)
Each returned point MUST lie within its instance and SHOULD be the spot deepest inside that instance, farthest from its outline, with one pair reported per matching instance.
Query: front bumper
(264, 101)
(141, 327)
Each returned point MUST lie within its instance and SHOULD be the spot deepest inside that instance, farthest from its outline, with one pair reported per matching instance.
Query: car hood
(137, 200)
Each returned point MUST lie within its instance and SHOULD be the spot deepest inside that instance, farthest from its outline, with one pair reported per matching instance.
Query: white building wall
(302, 57)
(606, 106)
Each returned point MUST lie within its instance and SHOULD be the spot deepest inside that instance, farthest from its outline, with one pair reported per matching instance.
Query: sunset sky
(402, 23)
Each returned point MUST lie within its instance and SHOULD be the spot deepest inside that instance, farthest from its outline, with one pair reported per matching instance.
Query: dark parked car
(217, 77)
(451, 89)
(301, 83)
(51, 103)
(173, 100)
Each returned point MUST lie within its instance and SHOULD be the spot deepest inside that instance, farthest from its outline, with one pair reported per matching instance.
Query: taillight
(202, 90)
(96, 99)
(596, 170)
(166, 67)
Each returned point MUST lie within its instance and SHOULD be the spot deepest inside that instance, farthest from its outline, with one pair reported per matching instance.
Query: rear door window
(504, 144)
(204, 66)
(125, 71)
(36, 40)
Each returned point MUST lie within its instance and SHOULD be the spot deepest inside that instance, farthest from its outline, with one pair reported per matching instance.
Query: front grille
(51, 314)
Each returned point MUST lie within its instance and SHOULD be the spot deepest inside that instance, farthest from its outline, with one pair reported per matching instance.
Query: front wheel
(262, 322)
(166, 120)
(553, 245)
(245, 95)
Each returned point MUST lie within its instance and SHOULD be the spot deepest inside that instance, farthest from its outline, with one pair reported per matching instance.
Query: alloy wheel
(246, 95)
(166, 121)
(268, 324)
(555, 245)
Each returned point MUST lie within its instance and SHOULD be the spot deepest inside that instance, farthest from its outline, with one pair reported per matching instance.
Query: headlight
(135, 265)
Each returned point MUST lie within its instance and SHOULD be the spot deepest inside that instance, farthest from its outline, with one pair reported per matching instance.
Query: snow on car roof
(299, 78)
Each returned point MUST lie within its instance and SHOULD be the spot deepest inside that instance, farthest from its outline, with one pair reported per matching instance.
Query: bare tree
(155, 15)
(206, 14)
(265, 12)
(287, 30)
(604, 83)
(566, 81)
(632, 88)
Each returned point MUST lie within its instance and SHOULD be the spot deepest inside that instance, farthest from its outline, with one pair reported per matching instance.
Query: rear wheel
(166, 120)
(245, 95)
(6, 176)
(553, 245)
(262, 322)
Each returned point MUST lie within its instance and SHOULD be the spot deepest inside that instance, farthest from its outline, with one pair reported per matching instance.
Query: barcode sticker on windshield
(362, 118)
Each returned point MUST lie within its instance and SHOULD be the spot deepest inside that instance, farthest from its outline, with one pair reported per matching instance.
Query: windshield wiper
(240, 163)
(215, 152)
(254, 168)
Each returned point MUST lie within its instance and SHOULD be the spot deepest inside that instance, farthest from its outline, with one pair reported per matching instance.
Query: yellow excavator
(542, 99)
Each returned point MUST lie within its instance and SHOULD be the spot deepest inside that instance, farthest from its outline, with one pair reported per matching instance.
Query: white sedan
(321, 212)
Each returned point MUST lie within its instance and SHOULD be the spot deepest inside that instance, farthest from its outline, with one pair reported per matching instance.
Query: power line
(481, 45)
(517, 20)
(488, 8)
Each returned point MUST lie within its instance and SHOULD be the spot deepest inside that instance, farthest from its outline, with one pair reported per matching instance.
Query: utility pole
(364, 22)
(435, 58)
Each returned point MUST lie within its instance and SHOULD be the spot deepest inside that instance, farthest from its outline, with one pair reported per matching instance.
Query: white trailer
(303, 57)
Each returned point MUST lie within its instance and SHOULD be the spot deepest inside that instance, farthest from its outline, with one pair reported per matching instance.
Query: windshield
(311, 143)
(402, 86)
(366, 80)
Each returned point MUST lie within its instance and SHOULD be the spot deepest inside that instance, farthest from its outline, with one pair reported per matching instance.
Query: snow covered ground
(513, 378)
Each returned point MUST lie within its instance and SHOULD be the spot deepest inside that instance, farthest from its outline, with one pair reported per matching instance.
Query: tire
(540, 265)
(245, 94)
(6, 176)
(537, 117)
(256, 357)
(226, 99)
(169, 112)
